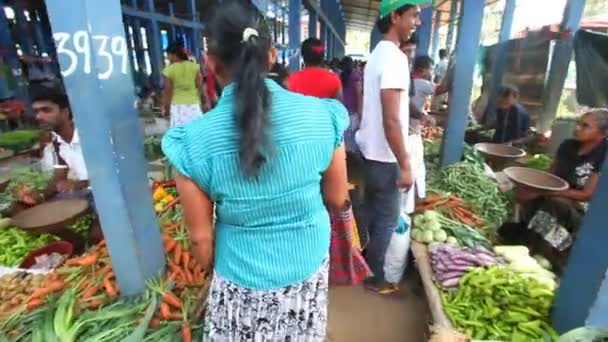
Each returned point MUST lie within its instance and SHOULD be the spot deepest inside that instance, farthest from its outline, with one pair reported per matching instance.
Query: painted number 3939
(79, 49)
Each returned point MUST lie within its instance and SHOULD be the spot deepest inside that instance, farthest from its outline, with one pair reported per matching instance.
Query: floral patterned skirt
(296, 313)
(183, 114)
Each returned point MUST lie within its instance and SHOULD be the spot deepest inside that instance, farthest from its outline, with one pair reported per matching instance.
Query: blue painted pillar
(582, 297)
(312, 24)
(435, 44)
(500, 57)
(9, 55)
(467, 47)
(101, 98)
(49, 43)
(180, 35)
(424, 32)
(330, 45)
(560, 60)
(131, 45)
(172, 29)
(154, 46)
(25, 37)
(139, 51)
(196, 37)
(41, 42)
(449, 42)
(284, 26)
(323, 32)
(295, 34)
(375, 38)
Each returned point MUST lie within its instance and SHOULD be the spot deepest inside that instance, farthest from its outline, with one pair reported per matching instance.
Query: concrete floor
(358, 315)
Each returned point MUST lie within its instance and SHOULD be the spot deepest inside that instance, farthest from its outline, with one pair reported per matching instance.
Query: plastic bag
(395, 260)
(586, 334)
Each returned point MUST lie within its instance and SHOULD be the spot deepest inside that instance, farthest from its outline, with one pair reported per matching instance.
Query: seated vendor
(553, 219)
(511, 123)
(63, 155)
(512, 119)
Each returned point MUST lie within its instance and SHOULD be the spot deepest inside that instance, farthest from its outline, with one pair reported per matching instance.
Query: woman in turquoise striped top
(266, 160)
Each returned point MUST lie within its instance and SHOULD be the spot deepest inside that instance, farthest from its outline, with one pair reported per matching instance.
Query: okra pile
(497, 304)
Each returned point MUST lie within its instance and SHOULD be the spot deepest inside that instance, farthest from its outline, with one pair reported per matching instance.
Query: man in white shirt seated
(63, 154)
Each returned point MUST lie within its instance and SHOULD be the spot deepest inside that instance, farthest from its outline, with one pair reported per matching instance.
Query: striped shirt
(272, 230)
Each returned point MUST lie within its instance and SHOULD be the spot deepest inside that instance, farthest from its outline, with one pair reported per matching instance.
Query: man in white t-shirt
(383, 132)
(63, 154)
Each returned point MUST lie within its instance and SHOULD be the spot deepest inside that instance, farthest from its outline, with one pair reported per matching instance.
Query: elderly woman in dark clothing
(552, 219)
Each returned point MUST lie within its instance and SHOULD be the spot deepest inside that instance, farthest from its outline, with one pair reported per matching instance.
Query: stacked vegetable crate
(487, 292)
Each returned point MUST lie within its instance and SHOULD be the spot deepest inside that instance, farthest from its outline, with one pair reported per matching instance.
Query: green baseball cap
(388, 6)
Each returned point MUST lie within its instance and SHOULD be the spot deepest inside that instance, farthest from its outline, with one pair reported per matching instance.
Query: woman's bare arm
(584, 194)
(198, 213)
(334, 184)
(167, 95)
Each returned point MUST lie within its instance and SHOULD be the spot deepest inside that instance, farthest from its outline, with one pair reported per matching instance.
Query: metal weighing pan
(498, 156)
(52, 218)
(536, 179)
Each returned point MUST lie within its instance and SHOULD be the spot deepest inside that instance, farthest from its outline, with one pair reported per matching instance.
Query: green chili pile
(16, 244)
(498, 304)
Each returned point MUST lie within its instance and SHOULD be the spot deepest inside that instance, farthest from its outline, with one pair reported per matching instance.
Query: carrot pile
(91, 274)
(90, 284)
(452, 207)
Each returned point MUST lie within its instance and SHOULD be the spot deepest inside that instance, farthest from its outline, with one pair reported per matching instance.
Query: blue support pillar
(435, 41)
(196, 37)
(172, 29)
(330, 46)
(101, 98)
(323, 36)
(49, 43)
(25, 37)
(9, 56)
(295, 34)
(139, 52)
(41, 42)
(467, 47)
(154, 46)
(424, 31)
(500, 57)
(312, 24)
(180, 35)
(131, 45)
(375, 38)
(560, 61)
(449, 42)
(582, 297)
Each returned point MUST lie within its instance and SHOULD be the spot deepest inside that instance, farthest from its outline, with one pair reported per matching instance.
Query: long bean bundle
(469, 182)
